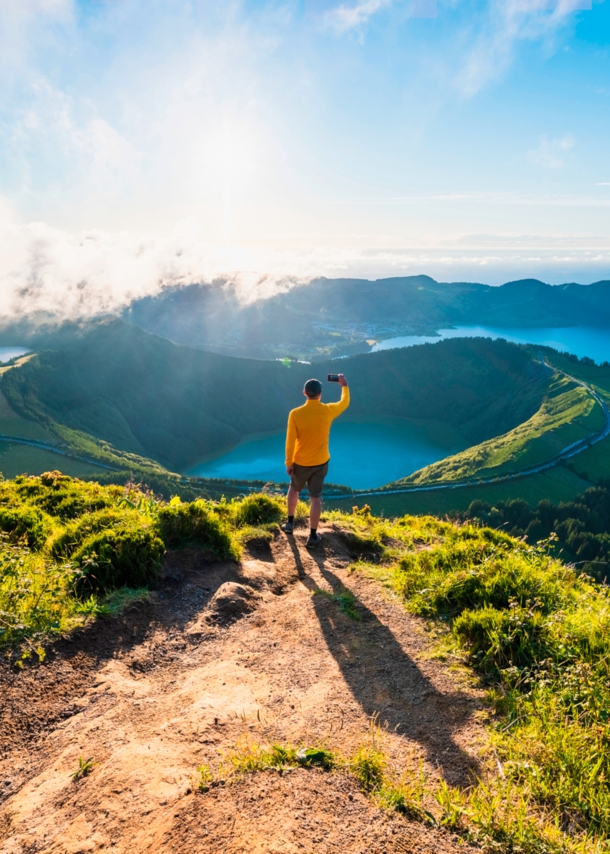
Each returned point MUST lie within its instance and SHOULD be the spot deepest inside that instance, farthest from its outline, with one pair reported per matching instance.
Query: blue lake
(8, 353)
(365, 454)
(589, 341)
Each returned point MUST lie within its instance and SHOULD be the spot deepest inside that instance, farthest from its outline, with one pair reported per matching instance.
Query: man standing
(307, 453)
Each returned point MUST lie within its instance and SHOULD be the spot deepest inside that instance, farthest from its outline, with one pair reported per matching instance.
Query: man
(307, 452)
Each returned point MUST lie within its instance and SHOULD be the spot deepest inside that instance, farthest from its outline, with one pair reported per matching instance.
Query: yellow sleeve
(291, 438)
(341, 405)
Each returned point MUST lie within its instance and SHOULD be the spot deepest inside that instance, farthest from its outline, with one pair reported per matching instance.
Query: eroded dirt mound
(230, 602)
(153, 694)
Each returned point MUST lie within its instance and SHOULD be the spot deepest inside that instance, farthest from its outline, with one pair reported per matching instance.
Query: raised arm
(341, 405)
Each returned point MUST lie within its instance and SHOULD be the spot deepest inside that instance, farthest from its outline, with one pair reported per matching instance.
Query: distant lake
(365, 454)
(8, 353)
(591, 341)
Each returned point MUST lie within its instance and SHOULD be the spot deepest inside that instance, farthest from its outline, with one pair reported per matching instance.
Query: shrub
(257, 510)
(195, 524)
(66, 543)
(125, 556)
(28, 522)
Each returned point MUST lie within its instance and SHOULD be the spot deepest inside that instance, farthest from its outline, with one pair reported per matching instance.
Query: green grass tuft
(345, 599)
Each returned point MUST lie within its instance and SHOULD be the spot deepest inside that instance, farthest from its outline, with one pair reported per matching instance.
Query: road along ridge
(568, 452)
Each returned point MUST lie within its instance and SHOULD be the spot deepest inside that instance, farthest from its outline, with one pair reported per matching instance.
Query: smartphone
(333, 378)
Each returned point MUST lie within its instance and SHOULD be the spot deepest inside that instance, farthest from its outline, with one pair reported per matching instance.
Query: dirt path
(222, 654)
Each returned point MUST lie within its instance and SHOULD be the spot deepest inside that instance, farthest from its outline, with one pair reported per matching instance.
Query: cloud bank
(48, 271)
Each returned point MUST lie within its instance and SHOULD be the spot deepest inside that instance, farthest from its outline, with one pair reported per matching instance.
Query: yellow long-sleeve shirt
(309, 429)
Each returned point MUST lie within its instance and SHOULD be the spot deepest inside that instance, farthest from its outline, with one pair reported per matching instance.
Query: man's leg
(292, 500)
(315, 509)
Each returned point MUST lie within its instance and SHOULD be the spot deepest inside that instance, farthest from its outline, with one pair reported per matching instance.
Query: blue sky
(460, 138)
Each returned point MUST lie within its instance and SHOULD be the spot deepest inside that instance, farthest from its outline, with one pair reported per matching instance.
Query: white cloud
(45, 269)
(551, 152)
(507, 23)
(71, 276)
(349, 17)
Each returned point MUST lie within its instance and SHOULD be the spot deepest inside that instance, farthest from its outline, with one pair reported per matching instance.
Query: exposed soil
(221, 654)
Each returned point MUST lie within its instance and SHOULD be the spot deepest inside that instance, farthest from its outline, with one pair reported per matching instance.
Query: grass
(85, 767)
(71, 550)
(369, 764)
(538, 636)
(345, 599)
(567, 414)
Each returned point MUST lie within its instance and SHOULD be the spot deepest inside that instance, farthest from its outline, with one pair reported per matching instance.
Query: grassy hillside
(512, 618)
(127, 395)
(568, 414)
(536, 633)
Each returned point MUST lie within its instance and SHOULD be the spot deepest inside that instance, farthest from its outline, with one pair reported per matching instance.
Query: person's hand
(342, 381)
(289, 470)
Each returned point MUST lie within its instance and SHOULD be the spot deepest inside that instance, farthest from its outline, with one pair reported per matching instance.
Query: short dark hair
(313, 388)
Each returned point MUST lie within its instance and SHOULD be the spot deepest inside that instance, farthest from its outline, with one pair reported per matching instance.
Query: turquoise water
(589, 341)
(364, 455)
(7, 353)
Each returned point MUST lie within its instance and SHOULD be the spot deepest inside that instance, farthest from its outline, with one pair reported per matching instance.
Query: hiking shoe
(288, 527)
(313, 540)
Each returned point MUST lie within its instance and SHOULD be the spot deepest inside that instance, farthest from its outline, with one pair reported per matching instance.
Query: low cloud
(44, 270)
(47, 271)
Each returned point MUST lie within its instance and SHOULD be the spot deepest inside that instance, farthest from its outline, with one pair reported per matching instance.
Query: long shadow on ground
(388, 684)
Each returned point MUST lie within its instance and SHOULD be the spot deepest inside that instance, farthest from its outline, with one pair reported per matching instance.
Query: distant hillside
(151, 398)
(339, 315)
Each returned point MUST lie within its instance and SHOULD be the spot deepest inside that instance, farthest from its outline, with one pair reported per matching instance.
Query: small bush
(34, 594)
(195, 524)
(256, 510)
(127, 556)
(28, 522)
(75, 534)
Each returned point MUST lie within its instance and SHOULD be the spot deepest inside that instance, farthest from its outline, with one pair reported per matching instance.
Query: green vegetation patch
(568, 414)
(579, 529)
(195, 524)
(538, 634)
(35, 594)
(70, 549)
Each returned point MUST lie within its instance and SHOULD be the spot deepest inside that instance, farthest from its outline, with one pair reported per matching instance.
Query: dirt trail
(223, 653)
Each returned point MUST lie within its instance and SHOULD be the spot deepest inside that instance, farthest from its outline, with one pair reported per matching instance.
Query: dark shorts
(313, 476)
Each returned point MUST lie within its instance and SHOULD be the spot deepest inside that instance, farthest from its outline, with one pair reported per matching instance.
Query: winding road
(45, 446)
(569, 451)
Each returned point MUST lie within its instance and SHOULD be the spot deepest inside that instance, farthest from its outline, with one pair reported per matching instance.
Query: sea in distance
(365, 453)
(8, 353)
(590, 341)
